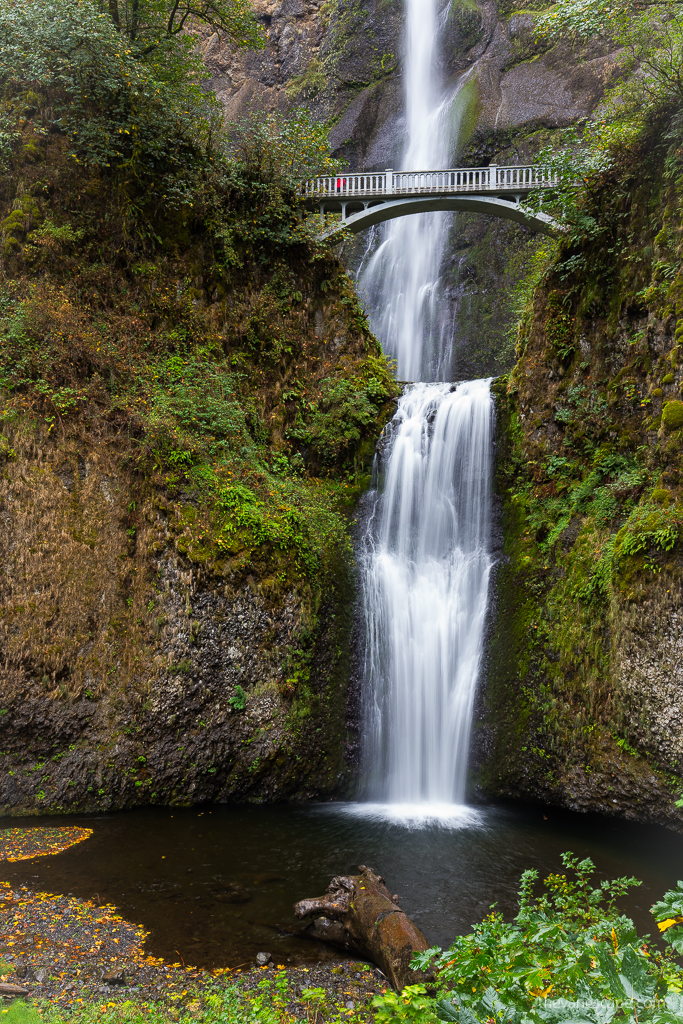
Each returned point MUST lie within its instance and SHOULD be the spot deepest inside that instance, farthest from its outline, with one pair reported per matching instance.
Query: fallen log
(359, 914)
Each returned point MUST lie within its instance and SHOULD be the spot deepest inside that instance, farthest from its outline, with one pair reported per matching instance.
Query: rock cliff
(186, 421)
(584, 696)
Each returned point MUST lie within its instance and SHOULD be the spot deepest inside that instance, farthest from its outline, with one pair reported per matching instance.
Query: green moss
(307, 85)
(672, 416)
(668, 378)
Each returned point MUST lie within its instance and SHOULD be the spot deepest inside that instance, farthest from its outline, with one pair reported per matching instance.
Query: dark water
(215, 885)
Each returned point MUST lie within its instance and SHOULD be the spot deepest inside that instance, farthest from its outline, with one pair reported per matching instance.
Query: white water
(425, 557)
(400, 278)
(426, 570)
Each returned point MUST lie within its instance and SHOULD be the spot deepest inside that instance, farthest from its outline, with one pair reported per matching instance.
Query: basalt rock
(358, 914)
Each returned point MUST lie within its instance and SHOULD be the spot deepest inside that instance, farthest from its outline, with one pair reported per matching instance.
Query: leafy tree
(151, 24)
(122, 79)
(275, 148)
(64, 64)
(650, 33)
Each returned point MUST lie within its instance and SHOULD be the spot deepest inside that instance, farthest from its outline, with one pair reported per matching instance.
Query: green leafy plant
(316, 1003)
(239, 699)
(411, 1005)
(668, 913)
(569, 955)
(277, 148)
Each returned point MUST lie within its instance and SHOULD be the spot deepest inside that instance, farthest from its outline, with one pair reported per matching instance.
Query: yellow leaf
(669, 923)
(543, 992)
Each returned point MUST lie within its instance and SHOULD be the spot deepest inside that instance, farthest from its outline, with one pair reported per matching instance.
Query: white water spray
(427, 565)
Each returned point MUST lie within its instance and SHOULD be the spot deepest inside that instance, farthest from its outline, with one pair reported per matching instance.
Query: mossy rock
(668, 379)
(15, 223)
(656, 392)
(672, 416)
(661, 496)
(11, 247)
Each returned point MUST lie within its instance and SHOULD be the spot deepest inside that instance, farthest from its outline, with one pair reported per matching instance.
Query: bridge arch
(379, 212)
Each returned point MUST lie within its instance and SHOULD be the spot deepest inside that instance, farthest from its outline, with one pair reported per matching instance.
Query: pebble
(262, 959)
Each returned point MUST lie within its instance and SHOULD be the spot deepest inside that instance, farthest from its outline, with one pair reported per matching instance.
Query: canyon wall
(583, 697)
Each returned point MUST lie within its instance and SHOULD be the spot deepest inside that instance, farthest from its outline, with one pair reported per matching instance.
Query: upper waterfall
(400, 276)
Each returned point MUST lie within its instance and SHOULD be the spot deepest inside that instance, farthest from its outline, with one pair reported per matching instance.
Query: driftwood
(359, 914)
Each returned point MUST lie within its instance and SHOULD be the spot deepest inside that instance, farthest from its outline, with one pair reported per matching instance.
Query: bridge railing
(494, 178)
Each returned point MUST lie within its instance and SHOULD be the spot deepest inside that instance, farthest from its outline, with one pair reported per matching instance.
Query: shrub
(569, 955)
(277, 148)
(124, 86)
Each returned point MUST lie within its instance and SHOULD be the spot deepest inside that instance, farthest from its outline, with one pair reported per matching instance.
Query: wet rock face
(344, 61)
(340, 61)
(175, 685)
(581, 703)
(650, 674)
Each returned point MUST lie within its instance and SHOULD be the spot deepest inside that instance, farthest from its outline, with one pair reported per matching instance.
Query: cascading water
(426, 568)
(400, 279)
(425, 556)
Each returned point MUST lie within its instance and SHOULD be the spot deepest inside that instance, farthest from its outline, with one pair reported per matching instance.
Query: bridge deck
(383, 185)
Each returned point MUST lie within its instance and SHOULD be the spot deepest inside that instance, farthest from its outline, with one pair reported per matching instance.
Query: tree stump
(359, 914)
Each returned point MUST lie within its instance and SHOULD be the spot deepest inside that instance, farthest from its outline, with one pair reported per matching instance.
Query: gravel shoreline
(72, 952)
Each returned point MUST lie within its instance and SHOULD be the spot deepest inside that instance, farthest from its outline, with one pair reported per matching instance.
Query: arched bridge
(367, 199)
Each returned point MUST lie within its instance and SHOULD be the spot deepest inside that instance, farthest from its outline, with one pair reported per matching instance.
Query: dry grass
(72, 583)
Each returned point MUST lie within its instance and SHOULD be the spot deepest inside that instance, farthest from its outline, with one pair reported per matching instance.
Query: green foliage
(239, 700)
(20, 1013)
(315, 997)
(411, 1005)
(273, 147)
(668, 914)
(569, 955)
(581, 19)
(119, 108)
(650, 525)
(150, 24)
(579, 163)
(335, 424)
(264, 1004)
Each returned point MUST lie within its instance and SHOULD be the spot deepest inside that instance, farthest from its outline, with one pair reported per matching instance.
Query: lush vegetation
(591, 473)
(568, 956)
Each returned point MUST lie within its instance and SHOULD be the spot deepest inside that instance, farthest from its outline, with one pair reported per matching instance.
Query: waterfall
(425, 555)
(399, 279)
(426, 565)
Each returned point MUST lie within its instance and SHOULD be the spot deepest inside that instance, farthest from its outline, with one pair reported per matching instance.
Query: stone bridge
(367, 199)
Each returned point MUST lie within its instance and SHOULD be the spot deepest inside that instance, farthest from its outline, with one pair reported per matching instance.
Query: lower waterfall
(426, 562)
